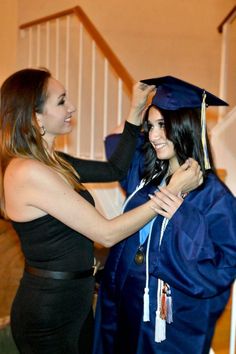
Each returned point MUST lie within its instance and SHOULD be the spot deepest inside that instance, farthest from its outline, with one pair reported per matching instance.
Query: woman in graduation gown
(165, 287)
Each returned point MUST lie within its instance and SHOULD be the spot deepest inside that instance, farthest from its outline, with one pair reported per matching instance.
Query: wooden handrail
(107, 51)
(47, 18)
(230, 14)
(100, 42)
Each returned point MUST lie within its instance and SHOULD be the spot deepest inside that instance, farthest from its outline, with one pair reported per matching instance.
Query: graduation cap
(173, 94)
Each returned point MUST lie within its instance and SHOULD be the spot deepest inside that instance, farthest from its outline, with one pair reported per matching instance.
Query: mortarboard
(173, 94)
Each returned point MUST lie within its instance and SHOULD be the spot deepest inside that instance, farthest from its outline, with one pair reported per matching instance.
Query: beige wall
(8, 36)
(154, 37)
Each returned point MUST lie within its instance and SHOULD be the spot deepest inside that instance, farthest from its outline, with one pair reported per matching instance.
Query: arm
(198, 251)
(118, 164)
(33, 190)
(116, 167)
(132, 177)
(185, 179)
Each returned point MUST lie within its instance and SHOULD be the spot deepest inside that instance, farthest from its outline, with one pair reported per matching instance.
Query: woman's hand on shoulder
(186, 178)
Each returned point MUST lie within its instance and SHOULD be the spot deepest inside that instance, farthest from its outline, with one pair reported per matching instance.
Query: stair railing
(71, 47)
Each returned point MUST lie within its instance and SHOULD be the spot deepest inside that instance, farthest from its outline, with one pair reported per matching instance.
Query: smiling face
(57, 111)
(163, 147)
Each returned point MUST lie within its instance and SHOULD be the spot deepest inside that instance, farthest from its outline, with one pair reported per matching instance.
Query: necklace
(144, 232)
(139, 256)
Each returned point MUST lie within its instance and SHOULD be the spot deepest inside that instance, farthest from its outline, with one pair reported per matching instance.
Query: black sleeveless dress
(55, 316)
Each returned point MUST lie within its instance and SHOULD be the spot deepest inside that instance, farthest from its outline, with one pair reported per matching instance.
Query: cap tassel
(203, 125)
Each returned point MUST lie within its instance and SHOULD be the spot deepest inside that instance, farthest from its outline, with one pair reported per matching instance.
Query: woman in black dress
(54, 214)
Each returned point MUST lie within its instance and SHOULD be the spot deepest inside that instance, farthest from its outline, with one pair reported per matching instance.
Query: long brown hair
(24, 94)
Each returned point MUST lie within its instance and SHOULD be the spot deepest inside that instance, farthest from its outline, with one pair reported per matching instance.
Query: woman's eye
(149, 127)
(162, 125)
(61, 102)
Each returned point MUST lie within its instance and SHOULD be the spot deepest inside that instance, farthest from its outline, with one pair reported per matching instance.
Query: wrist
(135, 116)
(174, 189)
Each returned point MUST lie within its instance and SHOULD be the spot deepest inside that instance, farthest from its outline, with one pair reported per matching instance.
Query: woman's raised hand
(139, 100)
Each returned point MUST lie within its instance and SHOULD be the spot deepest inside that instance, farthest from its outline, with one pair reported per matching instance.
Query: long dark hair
(183, 128)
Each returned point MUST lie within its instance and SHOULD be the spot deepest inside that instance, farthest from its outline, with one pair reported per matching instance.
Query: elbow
(108, 240)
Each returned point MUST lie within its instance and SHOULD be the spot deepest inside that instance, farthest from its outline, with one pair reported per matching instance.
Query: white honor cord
(163, 227)
(160, 324)
(146, 313)
(141, 184)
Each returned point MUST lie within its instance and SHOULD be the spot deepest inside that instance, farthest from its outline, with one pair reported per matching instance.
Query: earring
(42, 131)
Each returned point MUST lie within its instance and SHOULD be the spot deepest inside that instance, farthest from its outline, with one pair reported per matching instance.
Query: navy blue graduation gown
(197, 258)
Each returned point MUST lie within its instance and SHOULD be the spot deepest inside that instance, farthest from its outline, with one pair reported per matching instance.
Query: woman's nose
(155, 134)
(71, 108)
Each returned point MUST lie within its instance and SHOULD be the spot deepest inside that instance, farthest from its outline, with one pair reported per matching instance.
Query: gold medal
(139, 257)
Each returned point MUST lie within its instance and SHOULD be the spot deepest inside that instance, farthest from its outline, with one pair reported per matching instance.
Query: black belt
(59, 275)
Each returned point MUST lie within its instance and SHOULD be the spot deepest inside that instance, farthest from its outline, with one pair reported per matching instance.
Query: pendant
(139, 257)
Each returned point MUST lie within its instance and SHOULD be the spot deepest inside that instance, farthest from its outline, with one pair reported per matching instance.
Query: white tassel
(169, 317)
(146, 310)
(160, 328)
(146, 314)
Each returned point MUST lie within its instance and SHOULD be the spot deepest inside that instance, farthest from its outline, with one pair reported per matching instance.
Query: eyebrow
(61, 96)
(157, 120)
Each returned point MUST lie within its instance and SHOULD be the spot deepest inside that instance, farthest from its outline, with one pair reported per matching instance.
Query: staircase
(97, 83)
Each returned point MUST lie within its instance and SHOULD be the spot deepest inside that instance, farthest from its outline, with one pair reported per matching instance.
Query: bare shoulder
(27, 171)
(31, 189)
